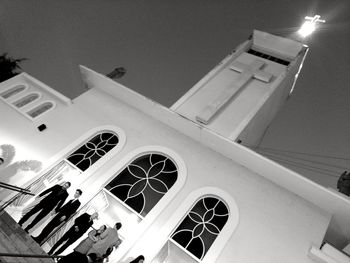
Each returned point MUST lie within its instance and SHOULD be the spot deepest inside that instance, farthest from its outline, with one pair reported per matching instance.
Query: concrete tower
(239, 98)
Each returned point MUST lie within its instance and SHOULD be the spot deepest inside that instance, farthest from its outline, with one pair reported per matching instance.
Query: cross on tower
(315, 19)
(247, 73)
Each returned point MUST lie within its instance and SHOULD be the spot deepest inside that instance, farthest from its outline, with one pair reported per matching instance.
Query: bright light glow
(307, 28)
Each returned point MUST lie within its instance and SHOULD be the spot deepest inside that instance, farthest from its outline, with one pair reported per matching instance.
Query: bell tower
(239, 98)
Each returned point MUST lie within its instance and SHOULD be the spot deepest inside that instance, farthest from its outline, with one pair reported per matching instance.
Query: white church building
(179, 179)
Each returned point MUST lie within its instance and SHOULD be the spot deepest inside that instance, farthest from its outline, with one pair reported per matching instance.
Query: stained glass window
(144, 182)
(26, 100)
(13, 91)
(93, 150)
(40, 109)
(199, 229)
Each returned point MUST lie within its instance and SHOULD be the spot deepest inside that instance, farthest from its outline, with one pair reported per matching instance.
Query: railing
(28, 255)
(13, 188)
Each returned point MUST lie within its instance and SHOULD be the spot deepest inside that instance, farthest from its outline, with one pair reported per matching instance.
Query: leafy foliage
(9, 66)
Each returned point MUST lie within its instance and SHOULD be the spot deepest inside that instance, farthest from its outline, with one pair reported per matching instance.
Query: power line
(305, 166)
(303, 159)
(301, 153)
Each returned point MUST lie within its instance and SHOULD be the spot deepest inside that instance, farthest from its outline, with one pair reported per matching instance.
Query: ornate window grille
(26, 100)
(144, 182)
(93, 150)
(76, 163)
(199, 229)
(13, 91)
(40, 109)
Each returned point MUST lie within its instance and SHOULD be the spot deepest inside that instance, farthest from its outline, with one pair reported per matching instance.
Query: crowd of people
(96, 247)
(100, 243)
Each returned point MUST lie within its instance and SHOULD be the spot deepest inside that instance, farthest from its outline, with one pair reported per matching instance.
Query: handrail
(15, 188)
(28, 255)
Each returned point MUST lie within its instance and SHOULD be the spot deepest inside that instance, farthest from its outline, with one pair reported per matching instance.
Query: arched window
(144, 182)
(13, 91)
(26, 100)
(76, 163)
(40, 109)
(201, 226)
(93, 150)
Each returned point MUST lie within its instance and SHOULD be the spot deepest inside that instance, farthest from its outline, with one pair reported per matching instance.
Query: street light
(117, 73)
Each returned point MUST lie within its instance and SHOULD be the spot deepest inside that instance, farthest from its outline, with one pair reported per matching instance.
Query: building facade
(183, 188)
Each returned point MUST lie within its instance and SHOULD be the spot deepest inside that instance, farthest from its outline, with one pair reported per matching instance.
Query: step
(13, 239)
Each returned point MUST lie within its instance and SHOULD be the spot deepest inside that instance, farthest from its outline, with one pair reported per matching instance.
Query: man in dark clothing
(56, 195)
(64, 213)
(81, 224)
(343, 183)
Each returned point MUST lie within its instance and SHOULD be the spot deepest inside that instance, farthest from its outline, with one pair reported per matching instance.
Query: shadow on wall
(17, 173)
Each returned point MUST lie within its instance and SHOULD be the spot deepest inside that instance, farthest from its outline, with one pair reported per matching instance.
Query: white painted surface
(328, 254)
(239, 109)
(275, 223)
(316, 194)
(284, 47)
(334, 253)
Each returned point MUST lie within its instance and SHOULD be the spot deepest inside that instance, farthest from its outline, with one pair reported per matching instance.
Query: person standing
(94, 235)
(55, 197)
(81, 224)
(63, 214)
(109, 239)
(80, 251)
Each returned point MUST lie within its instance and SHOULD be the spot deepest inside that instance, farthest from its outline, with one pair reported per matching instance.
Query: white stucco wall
(274, 224)
(21, 131)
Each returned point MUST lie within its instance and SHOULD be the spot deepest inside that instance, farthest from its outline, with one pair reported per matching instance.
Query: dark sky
(167, 46)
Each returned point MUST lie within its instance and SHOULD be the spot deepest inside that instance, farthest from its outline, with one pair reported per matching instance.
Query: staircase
(13, 239)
